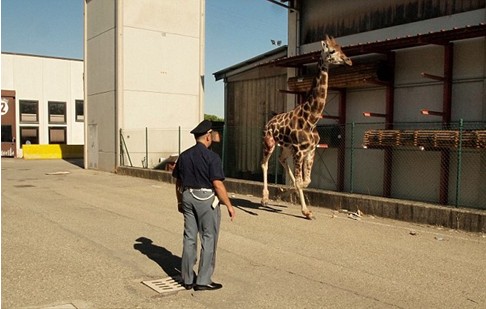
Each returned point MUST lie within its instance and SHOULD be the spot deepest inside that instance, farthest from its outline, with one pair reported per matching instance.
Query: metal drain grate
(166, 285)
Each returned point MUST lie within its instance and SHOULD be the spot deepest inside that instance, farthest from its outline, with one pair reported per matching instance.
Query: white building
(42, 101)
(144, 64)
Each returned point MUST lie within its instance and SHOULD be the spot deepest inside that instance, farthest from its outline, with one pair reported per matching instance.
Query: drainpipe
(85, 85)
(118, 77)
(202, 34)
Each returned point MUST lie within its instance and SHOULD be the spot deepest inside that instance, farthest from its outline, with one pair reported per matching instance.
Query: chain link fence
(428, 162)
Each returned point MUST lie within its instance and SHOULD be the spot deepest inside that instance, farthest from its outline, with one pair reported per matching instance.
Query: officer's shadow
(169, 262)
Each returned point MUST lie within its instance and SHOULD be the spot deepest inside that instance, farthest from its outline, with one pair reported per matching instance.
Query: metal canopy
(439, 38)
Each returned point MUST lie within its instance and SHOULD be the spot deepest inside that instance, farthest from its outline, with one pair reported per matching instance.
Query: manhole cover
(165, 285)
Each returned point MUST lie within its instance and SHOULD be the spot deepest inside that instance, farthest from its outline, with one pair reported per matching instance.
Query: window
(29, 111)
(7, 133)
(80, 110)
(57, 135)
(57, 112)
(29, 135)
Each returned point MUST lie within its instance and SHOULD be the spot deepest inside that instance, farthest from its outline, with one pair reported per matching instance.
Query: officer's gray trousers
(199, 218)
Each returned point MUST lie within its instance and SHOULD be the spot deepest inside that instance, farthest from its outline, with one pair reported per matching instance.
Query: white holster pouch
(204, 197)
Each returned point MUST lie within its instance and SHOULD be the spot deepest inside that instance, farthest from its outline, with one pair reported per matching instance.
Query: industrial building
(393, 121)
(42, 102)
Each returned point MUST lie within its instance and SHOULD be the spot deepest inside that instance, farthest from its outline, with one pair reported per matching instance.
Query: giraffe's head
(332, 53)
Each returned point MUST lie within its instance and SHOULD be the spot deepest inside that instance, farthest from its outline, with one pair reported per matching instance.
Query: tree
(213, 118)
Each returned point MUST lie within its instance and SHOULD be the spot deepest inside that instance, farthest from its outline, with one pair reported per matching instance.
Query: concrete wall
(100, 33)
(145, 69)
(45, 79)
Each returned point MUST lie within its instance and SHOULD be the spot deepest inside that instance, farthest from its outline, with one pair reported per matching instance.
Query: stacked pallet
(407, 138)
(469, 139)
(300, 84)
(480, 138)
(381, 138)
(436, 138)
(431, 139)
(359, 75)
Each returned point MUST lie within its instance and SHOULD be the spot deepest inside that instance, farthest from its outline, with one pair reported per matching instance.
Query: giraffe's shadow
(169, 262)
(248, 206)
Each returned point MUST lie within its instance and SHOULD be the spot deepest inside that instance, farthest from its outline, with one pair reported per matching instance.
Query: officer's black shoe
(188, 286)
(208, 287)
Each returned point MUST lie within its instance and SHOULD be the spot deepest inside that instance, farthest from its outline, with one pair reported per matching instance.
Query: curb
(469, 220)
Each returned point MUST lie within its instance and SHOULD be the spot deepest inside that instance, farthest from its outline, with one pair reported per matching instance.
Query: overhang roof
(253, 62)
(438, 38)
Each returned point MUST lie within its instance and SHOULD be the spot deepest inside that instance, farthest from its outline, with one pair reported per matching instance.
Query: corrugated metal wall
(250, 102)
(320, 17)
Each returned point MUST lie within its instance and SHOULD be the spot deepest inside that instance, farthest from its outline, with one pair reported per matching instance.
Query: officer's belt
(198, 189)
(192, 190)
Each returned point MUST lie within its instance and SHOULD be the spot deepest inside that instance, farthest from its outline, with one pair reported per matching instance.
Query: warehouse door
(8, 124)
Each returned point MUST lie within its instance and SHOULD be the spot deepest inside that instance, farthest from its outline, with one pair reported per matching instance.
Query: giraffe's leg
(268, 148)
(286, 153)
(298, 162)
(307, 168)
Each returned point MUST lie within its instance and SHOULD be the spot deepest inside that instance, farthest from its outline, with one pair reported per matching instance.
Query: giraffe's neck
(317, 101)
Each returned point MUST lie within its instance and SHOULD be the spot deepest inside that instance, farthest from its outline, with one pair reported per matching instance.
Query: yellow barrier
(53, 151)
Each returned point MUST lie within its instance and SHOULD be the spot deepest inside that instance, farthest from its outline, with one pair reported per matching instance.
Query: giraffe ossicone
(295, 131)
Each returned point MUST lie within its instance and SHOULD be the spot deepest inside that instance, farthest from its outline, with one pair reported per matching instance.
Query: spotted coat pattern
(295, 131)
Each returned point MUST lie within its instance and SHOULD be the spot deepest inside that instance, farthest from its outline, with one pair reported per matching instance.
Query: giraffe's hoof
(264, 202)
(309, 216)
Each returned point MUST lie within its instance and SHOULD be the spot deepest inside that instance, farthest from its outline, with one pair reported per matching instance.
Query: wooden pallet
(382, 138)
(433, 139)
(360, 75)
(480, 138)
(407, 138)
(436, 138)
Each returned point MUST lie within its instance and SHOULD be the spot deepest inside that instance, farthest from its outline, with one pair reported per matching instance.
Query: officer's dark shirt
(197, 167)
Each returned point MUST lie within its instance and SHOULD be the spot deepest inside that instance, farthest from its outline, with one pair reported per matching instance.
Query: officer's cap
(202, 128)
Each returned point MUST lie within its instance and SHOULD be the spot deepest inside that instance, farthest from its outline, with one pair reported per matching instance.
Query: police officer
(199, 185)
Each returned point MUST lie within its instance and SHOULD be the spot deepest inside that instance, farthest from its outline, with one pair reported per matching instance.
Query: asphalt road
(75, 238)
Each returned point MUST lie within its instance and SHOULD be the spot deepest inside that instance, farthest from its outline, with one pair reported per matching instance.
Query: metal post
(122, 141)
(146, 147)
(459, 162)
(352, 159)
(179, 151)
(341, 157)
(122, 163)
(446, 119)
(389, 120)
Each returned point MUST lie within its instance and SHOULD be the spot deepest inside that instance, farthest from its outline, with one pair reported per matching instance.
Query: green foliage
(213, 118)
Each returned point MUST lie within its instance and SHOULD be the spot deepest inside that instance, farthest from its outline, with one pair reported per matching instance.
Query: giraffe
(295, 131)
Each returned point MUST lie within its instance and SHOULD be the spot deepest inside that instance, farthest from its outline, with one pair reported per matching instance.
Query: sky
(236, 30)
